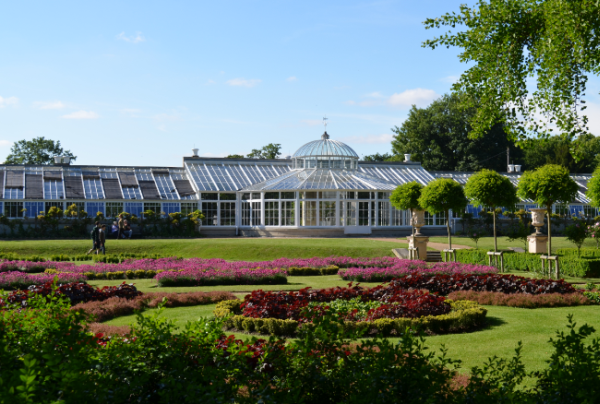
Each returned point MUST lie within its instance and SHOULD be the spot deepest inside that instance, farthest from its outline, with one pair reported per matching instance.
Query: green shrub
(227, 307)
(465, 315)
(309, 271)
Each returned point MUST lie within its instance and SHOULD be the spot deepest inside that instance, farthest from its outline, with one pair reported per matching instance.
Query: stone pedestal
(419, 242)
(537, 243)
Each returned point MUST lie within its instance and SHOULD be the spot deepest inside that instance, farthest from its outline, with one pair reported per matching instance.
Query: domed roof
(325, 148)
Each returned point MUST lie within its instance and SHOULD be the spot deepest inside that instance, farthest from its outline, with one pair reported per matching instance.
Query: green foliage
(488, 188)
(547, 50)
(476, 234)
(593, 192)
(441, 195)
(378, 157)
(36, 151)
(309, 271)
(235, 156)
(270, 151)
(578, 155)
(438, 137)
(406, 196)
(577, 233)
(547, 185)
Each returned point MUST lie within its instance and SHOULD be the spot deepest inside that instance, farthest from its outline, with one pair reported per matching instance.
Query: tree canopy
(406, 196)
(548, 46)
(593, 186)
(580, 155)
(270, 151)
(438, 137)
(36, 151)
(547, 185)
(488, 188)
(378, 157)
(443, 195)
(235, 156)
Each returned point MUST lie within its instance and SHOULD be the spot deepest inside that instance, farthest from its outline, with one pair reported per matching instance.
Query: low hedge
(569, 265)
(524, 300)
(308, 271)
(139, 274)
(585, 252)
(465, 315)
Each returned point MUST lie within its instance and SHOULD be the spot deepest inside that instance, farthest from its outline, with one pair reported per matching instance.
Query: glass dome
(326, 153)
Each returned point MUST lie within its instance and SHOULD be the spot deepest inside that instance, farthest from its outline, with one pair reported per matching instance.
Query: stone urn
(418, 220)
(537, 219)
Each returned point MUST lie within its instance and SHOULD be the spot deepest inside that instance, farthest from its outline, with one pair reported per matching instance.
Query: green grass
(488, 242)
(294, 283)
(507, 326)
(252, 249)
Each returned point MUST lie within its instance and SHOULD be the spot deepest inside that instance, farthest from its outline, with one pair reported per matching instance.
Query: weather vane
(325, 123)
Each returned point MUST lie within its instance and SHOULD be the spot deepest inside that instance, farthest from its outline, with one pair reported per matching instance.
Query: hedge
(308, 271)
(569, 265)
(465, 315)
(139, 274)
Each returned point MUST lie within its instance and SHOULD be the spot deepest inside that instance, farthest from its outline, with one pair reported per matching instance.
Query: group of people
(121, 228)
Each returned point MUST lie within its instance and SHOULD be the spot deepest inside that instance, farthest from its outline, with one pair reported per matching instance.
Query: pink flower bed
(223, 276)
(29, 267)
(22, 280)
(405, 267)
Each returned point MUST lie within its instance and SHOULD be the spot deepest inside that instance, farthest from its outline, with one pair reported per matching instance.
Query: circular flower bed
(385, 309)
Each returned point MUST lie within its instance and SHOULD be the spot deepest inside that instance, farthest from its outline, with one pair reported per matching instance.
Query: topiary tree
(547, 185)
(593, 186)
(443, 195)
(406, 197)
(490, 189)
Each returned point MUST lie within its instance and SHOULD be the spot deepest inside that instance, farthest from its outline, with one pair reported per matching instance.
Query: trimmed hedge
(569, 265)
(308, 271)
(465, 315)
(139, 274)
(585, 252)
(524, 300)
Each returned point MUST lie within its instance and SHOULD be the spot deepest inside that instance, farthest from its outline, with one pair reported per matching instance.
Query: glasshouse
(322, 190)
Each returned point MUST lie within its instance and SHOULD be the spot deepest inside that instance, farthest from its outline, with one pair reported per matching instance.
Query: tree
(489, 189)
(235, 156)
(546, 186)
(593, 185)
(406, 197)
(513, 46)
(36, 151)
(577, 233)
(378, 157)
(438, 137)
(270, 151)
(578, 156)
(443, 195)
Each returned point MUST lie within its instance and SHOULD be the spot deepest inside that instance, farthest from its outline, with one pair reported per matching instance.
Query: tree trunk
(495, 239)
(549, 209)
(412, 225)
(448, 229)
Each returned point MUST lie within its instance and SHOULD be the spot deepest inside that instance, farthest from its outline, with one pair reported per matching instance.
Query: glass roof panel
(325, 147)
(238, 174)
(165, 186)
(53, 190)
(132, 193)
(93, 188)
(221, 178)
(201, 177)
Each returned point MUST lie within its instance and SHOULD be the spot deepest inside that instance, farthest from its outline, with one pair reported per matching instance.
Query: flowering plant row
(23, 280)
(240, 276)
(395, 303)
(406, 267)
(445, 284)
(76, 292)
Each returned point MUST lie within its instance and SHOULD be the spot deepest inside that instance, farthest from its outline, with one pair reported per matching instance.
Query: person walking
(102, 239)
(95, 238)
(121, 227)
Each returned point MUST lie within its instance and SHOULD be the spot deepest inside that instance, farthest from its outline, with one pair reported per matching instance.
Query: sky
(144, 82)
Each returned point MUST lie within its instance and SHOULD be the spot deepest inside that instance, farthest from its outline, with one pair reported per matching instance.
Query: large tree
(270, 151)
(36, 151)
(529, 62)
(546, 186)
(438, 137)
(443, 195)
(489, 189)
(580, 155)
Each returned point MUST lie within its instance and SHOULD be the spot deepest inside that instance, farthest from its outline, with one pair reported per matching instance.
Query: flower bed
(444, 284)
(406, 267)
(26, 266)
(77, 292)
(385, 309)
(194, 277)
(22, 280)
(523, 300)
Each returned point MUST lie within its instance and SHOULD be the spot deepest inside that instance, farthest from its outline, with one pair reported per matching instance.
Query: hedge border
(465, 316)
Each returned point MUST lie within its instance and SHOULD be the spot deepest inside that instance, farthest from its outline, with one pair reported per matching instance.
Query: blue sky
(141, 83)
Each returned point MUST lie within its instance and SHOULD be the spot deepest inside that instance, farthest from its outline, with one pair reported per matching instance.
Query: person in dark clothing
(95, 238)
(102, 239)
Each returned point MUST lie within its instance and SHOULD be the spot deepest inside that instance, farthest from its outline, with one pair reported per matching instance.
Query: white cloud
(137, 38)
(5, 143)
(243, 82)
(292, 78)
(421, 97)
(81, 115)
(418, 96)
(48, 105)
(370, 139)
(8, 101)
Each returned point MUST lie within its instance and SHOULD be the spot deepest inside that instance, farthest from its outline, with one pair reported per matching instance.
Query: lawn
(507, 326)
(251, 249)
(503, 242)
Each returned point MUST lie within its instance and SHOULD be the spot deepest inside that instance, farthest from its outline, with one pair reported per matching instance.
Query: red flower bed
(77, 292)
(398, 302)
(445, 284)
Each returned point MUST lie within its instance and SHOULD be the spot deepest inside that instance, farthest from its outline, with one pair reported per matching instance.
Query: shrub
(523, 300)
(309, 271)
